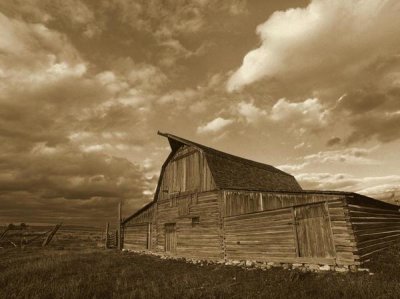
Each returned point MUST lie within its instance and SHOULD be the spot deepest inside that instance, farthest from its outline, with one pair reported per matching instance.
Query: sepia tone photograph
(199, 149)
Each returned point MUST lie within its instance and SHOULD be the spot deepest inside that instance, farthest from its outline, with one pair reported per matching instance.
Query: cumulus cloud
(321, 38)
(308, 114)
(214, 126)
(250, 112)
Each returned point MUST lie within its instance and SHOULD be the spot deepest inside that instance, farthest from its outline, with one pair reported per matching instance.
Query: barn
(211, 205)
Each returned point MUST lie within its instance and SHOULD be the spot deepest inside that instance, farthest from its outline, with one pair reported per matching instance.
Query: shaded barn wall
(255, 221)
(187, 172)
(376, 225)
(140, 232)
(262, 236)
(197, 221)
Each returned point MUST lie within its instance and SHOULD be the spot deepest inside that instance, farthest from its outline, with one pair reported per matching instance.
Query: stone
(297, 265)
(363, 269)
(325, 268)
(271, 263)
(249, 263)
(285, 266)
(304, 269)
(313, 267)
(341, 269)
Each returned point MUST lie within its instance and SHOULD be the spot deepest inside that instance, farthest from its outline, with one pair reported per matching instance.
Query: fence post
(107, 231)
(119, 227)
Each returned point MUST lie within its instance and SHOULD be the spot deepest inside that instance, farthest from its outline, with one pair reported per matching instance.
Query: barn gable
(232, 172)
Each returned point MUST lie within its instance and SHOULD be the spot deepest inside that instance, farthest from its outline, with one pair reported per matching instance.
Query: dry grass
(97, 273)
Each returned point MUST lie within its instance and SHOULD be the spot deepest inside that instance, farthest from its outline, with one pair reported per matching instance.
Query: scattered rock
(363, 269)
(297, 265)
(249, 263)
(313, 267)
(341, 269)
(325, 268)
(304, 269)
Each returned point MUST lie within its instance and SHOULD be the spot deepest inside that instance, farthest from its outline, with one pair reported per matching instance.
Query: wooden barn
(215, 206)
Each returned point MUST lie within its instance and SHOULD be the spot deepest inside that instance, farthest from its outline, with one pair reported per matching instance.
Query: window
(195, 221)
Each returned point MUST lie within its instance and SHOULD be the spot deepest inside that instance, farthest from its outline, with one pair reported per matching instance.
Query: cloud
(250, 112)
(351, 156)
(214, 126)
(73, 14)
(333, 141)
(33, 54)
(373, 113)
(380, 187)
(308, 114)
(321, 39)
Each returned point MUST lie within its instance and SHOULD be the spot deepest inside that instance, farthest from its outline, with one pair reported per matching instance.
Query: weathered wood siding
(187, 172)
(260, 217)
(376, 225)
(198, 225)
(343, 235)
(137, 236)
(313, 231)
(140, 232)
(261, 236)
(242, 202)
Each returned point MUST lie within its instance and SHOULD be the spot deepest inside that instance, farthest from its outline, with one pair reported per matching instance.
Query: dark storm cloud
(333, 141)
(372, 114)
(48, 99)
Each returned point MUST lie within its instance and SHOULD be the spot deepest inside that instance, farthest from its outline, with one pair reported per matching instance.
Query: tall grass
(97, 273)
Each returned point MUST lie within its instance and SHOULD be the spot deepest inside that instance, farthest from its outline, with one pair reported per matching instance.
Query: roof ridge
(225, 155)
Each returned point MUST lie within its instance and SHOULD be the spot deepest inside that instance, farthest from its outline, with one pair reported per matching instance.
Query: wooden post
(4, 232)
(51, 235)
(107, 231)
(119, 227)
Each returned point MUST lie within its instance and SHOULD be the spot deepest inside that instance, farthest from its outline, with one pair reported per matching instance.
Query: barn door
(170, 237)
(313, 230)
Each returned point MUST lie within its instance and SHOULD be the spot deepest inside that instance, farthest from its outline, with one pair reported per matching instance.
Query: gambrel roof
(233, 172)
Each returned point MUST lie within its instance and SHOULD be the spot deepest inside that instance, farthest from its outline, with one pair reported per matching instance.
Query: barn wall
(262, 236)
(186, 172)
(258, 220)
(139, 228)
(242, 202)
(376, 225)
(202, 240)
(343, 235)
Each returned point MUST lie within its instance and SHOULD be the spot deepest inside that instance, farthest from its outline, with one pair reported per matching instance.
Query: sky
(310, 87)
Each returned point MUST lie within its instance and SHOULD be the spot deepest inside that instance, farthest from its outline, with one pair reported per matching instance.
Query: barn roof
(231, 171)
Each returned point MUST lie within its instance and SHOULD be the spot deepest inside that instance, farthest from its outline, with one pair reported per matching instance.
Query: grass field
(99, 273)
